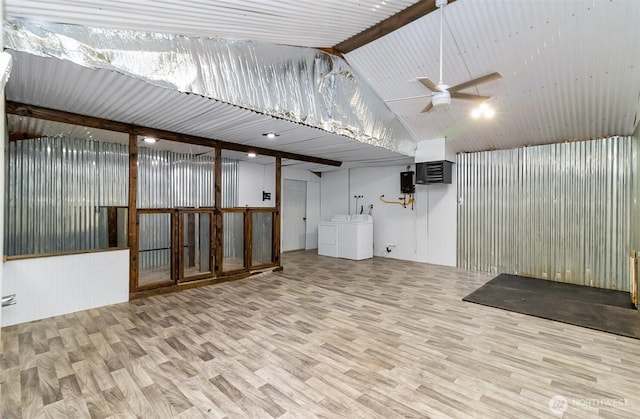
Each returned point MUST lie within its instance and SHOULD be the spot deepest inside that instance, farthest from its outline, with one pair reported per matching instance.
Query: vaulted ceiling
(570, 69)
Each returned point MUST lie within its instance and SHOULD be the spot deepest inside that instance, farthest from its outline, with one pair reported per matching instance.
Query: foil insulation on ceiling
(302, 85)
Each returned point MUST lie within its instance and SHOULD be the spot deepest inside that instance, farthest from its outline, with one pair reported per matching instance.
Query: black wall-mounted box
(406, 182)
(431, 172)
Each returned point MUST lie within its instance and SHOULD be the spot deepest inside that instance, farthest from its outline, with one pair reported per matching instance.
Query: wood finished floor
(324, 338)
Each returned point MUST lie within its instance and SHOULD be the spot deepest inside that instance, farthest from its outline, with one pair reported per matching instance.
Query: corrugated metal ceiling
(571, 68)
(62, 85)
(304, 23)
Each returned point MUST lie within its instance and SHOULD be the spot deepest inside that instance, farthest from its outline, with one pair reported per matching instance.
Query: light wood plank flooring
(324, 338)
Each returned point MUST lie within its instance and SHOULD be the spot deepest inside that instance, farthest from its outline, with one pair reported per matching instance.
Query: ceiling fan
(442, 93)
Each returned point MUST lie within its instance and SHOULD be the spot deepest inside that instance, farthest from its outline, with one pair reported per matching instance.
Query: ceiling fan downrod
(440, 4)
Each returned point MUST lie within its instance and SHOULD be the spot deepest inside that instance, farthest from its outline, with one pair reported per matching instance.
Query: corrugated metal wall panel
(56, 186)
(233, 227)
(635, 226)
(154, 247)
(191, 179)
(262, 238)
(562, 212)
(230, 181)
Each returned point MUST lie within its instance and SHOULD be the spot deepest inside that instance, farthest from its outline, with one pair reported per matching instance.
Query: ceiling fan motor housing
(441, 100)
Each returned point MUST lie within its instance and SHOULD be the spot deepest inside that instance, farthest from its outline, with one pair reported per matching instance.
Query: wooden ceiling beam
(18, 136)
(390, 24)
(48, 114)
(332, 51)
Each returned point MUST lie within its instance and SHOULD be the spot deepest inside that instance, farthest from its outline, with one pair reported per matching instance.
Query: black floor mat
(595, 308)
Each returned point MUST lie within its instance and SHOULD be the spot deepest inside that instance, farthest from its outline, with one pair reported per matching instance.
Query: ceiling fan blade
(429, 84)
(479, 80)
(427, 108)
(407, 98)
(468, 96)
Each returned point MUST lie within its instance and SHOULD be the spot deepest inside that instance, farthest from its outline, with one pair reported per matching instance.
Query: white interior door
(294, 215)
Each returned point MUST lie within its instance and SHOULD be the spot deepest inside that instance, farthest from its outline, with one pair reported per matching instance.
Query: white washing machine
(355, 238)
(328, 235)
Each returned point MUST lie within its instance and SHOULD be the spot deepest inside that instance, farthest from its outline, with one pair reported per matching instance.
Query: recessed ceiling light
(271, 135)
(251, 155)
(149, 140)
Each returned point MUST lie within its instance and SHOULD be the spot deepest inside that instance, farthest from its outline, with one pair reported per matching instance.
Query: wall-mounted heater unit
(431, 172)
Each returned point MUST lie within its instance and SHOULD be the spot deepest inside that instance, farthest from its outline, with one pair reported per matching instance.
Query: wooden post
(112, 226)
(176, 250)
(133, 216)
(217, 251)
(191, 238)
(634, 277)
(277, 221)
(248, 238)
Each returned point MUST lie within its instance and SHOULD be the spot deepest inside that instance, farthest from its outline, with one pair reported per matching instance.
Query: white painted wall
(313, 203)
(439, 216)
(51, 286)
(252, 180)
(434, 150)
(334, 194)
(255, 178)
(425, 234)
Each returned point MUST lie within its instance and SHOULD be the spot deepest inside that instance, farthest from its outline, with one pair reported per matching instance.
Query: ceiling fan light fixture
(441, 93)
(489, 113)
(441, 100)
(483, 111)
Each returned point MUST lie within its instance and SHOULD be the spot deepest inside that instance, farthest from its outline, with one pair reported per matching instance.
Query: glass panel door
(196, 241)
(233, 255)
(261, 238)
(155, 253)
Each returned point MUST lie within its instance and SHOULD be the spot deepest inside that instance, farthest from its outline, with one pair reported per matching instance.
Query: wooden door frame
(212, 231)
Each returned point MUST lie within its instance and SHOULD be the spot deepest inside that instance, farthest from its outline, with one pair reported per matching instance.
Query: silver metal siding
(262, 237)
(55, 186)
(233, 228)
(562, 212)
(169, 180)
